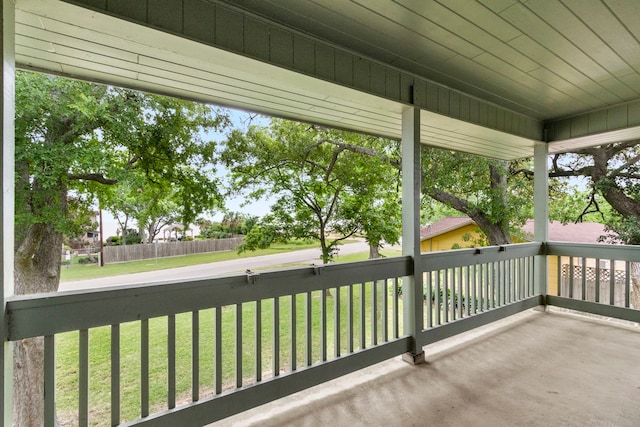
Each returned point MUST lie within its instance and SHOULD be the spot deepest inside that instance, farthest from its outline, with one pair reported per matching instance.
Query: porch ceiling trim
(268, 58)
(116, 46)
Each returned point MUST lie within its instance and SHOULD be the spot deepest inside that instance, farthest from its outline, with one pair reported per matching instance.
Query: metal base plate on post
(414, 359)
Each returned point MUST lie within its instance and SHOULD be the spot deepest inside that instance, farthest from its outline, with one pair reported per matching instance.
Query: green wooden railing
(196, 351)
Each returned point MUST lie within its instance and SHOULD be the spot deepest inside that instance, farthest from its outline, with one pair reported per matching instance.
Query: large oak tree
(612, 172)
(73, 140)
(328, 184)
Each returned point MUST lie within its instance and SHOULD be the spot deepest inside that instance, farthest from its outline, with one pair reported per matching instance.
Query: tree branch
(92, 177)
(628, 163)
(560, 173)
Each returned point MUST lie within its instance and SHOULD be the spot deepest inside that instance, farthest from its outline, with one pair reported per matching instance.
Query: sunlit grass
(100, 351)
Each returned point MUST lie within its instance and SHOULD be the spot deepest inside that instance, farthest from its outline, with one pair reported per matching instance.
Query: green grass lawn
(100, 343)
(99, 351)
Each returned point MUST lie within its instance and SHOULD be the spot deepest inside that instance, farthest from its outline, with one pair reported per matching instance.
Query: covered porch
(503, 79)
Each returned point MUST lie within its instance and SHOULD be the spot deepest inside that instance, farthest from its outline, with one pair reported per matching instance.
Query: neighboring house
(174, 232)
(459, 232)
(449, 233)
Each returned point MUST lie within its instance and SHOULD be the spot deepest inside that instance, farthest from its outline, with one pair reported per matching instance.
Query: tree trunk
(497, 234)
(612, 192)
(374, 252)
(36, 271)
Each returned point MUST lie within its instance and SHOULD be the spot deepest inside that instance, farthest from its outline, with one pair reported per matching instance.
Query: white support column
(541, 211)
(7, 108)
(411, 179)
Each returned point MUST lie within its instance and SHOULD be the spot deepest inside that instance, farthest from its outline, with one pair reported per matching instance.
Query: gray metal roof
(491, 76)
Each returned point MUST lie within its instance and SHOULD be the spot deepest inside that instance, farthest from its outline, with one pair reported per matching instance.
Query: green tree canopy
(494, 193)
(612, 172)
(328, 184)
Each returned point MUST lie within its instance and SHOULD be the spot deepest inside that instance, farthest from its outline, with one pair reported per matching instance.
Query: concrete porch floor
(533, 369)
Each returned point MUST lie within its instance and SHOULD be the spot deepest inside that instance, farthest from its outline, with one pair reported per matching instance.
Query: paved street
(309, 256)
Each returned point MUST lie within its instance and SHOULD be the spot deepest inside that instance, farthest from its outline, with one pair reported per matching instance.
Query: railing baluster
(374, 313)
(451, 294)
(308, 324)
(559, 264)
(571, 276)
(497, 283)
(456, 292)
(612, 282)
(438, 298)
(49, 381)
(597, 280)
(627, 283)
(218, 350)
(522, 278)
(83, 378)
(385, 310)
(511, 280)
(519, 273)
(195, 356)
(503, 268)
(584, 279)
(445, 296)
(532, 276)
(258, 341)
(498, 295)
(276, 337)
(336, 323)
(488, 294)
(362, 318)
(323, 325)
(474, 287)
(350, 318)
(144, 368)
(238, 345)
(292, 325)
(396, 314)
(459, 299)
(482, 286)
(115, 375)
(428, 299)
(526, 264)
(467, 295)
(171, 361)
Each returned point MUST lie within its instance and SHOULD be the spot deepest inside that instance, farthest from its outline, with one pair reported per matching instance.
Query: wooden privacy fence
(113, 254)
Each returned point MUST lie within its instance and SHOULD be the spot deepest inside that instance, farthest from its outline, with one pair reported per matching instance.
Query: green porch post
(541, 212)
(412, 285)
(7, 107)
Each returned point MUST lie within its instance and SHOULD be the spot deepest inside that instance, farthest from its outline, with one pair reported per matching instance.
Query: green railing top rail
(593, 250)
(47, 314)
